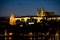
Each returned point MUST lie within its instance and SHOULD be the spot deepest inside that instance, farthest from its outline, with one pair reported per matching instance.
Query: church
(40, 14)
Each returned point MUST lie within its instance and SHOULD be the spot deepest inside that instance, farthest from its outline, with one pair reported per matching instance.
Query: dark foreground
(37, 31)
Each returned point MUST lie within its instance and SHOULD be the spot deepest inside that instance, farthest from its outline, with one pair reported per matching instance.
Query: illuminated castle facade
(39, 15)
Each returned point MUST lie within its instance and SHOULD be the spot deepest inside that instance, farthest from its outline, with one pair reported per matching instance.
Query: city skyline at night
(29, 19)
(28, 7)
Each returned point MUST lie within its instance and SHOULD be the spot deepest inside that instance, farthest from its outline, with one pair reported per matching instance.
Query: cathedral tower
(40, 12)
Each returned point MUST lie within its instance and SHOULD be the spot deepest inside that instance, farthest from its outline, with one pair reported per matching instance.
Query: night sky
(28, 7)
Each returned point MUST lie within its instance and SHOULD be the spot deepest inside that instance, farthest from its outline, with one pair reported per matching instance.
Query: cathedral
(40, 14)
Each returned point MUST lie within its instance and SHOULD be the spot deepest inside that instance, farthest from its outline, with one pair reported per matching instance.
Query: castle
(39, 15)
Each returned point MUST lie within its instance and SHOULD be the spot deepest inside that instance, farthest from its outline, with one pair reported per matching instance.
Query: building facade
(41, 14)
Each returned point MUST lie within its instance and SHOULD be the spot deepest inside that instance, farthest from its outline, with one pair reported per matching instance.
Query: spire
(37, 12)
(42, 12)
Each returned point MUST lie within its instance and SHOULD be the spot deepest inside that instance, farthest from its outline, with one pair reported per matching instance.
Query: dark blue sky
(28, 7)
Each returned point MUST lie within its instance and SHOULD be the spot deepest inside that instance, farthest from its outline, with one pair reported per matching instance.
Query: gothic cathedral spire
(40, 12)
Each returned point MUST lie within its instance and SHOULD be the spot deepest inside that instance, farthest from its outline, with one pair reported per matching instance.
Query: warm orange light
(10, 38)
(5, 33)
(30, 33)
(12, 19)
(10, 34)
